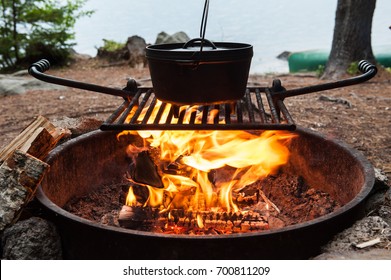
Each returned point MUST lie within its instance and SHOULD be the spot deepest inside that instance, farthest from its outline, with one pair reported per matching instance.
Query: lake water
(270, 26)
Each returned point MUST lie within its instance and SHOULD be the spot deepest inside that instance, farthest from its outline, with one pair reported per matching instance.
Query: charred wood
(145, 172)
(191, 222)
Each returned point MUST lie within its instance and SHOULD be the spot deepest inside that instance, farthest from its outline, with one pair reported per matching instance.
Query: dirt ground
(360, 115)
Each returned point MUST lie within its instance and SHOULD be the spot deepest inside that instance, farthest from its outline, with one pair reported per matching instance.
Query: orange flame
(252, 157)
(131, 199)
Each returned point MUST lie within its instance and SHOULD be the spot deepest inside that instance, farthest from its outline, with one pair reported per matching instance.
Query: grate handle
(367, 69)
(38, 68)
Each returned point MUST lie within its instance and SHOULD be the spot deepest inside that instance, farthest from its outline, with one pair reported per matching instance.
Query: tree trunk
(15, 31)
(352, 36)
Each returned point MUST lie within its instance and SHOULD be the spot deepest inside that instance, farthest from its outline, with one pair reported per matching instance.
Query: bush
(35, 29)
(112, 46)
(353, 68)
(113, 51)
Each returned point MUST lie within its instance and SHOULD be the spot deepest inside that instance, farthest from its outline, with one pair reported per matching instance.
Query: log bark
(20, 175)
(21, 168)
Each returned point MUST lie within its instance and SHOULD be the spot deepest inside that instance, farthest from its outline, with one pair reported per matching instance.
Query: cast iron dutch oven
(199, 71)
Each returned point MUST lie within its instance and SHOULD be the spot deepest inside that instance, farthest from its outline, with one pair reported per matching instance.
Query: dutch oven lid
(199, 49)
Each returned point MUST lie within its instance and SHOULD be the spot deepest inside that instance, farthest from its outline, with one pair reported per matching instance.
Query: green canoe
(311, 60)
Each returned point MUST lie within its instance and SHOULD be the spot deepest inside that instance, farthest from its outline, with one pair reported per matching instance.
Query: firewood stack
(22, 168)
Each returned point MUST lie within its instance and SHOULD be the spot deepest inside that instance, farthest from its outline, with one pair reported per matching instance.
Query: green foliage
(35, 29)
(353, 68)
(112, 46)
(320, 70)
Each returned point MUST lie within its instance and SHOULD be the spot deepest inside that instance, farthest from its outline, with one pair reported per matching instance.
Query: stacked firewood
(22, 168)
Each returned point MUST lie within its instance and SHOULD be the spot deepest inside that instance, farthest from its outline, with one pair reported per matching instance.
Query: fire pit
(96, 159)
(93, 161)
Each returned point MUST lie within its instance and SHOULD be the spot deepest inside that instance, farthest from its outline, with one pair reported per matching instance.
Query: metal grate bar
(160, 113)
(118, 112)
(141, 107)
(205, 112)
(273, 110)
(170, 115)
(150, 110)
(239, 112)
(126, 113)
(216, 117)
(249, 106)
(227, 109)
(249, 113)
(285, 112)
(193, 117)
(261, 109)
(181, 116)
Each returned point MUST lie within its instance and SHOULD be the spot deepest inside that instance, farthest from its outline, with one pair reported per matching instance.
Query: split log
(37, 139)
(39, 144)
(21, 168)
(20, 175)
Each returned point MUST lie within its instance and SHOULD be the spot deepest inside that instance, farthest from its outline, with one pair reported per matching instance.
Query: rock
(77, 126)
(375, 254)
(76, 57)
(136, 50)
(117, 54)
(133, 52)
(164, 38)
(284, 55)
(381, 179)
(344, 244)
(20, 73)
(379, 202)
(14, 84)
(32, 239)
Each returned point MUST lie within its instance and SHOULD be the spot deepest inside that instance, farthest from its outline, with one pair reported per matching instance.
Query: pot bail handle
(202, 40)
(204, 20)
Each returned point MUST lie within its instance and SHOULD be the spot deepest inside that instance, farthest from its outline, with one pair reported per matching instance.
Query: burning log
(131, 217)
(145, 172)
(191, 222)
(249, 199)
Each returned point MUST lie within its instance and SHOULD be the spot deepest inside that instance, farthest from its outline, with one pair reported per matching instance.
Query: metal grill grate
(142, 111)
(257, 110)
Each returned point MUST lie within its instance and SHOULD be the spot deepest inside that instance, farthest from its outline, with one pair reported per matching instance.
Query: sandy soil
(364, 125)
